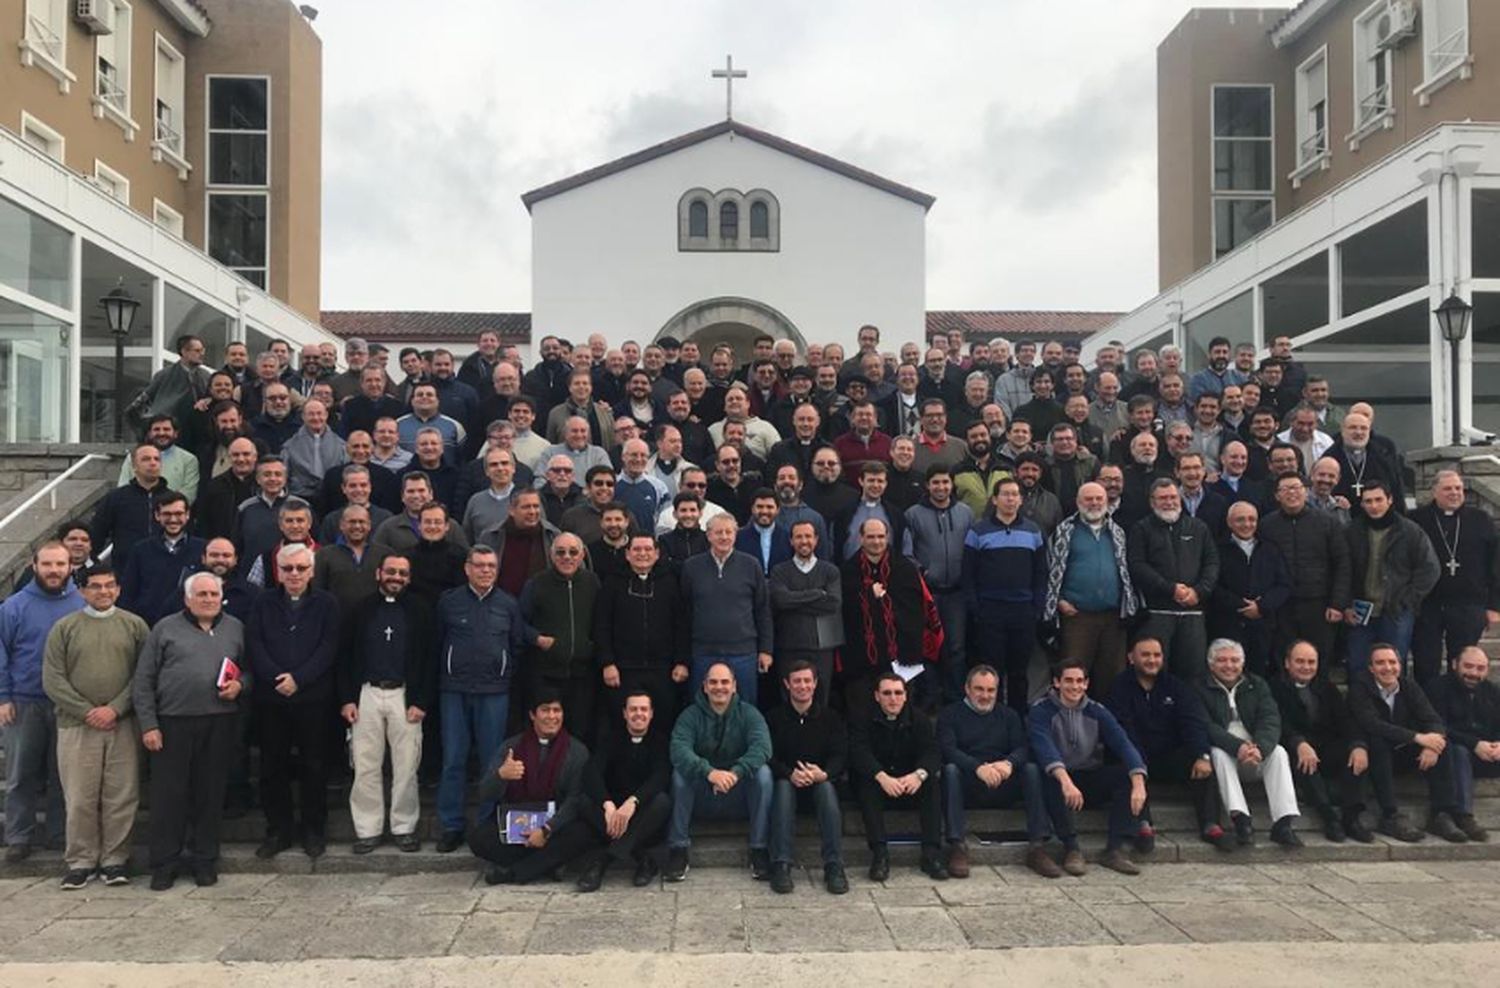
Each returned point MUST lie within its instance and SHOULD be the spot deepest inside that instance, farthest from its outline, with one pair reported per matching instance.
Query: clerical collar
(543, 741)
(636, 738)
(389, 599)
(869, 504)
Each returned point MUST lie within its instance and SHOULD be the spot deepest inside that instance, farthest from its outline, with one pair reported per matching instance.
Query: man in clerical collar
(1466, 599)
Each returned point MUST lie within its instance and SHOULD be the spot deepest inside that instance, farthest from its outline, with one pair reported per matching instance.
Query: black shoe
(76, 879)
(880, 864)
(450, 841)
(205, 873)
(1334, 831)
(408, 843)
(498, 875)
(1396, 826)
(781, 878)
(1356, 828)
(1145, 838)
(1471, 827)
(593, 875)
(272, 846)
(1283, 834)
(932, 866)
(834, 879)
(313, 845)
(1244, 831)
(1442, 825)
(677, 864)
(16, 853)
(163, 878)
(645, 870)
(760, 864)
(235, 810)
(365, 845)
(114, 875)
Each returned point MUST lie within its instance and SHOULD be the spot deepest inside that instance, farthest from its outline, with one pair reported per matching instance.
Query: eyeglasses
(601, 483)
(697, 486)
(559, 469)
(567, 552)
(893, 692)
(289, 568)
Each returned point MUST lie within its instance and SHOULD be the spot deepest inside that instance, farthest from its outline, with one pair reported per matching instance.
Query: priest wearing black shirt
(1467, 596)
(625, 802)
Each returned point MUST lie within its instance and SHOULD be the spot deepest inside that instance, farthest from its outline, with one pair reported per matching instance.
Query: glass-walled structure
(65, 243)
(1353, 279)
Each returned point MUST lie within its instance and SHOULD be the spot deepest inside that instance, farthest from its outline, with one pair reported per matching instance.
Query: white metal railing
(40, 33)
(1313, 146)
(49, 488)
(1375, 105)
(1448, 52)
(167, 137)
(111, 91)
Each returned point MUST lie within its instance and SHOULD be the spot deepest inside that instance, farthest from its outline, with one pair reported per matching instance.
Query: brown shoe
(1039, 861)
(958, 860)
(1073, 863)
(1115, 859)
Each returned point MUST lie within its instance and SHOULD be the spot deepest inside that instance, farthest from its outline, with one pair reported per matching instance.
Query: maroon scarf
(869, 575)
(539, 784)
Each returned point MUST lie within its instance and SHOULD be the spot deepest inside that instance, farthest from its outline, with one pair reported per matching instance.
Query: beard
(786, 495)
(1170, 517)
(1093, 517)
(976, 450)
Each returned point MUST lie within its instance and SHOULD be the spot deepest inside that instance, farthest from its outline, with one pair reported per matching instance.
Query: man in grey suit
(807, 608)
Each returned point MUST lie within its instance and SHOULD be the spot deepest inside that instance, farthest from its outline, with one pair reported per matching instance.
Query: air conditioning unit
(1399, 24)
(97, 16)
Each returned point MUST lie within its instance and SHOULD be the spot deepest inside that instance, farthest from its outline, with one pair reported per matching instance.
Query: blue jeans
(468, 718)
(749, 800)
(31, 769)
(746, 675)
(1465, 767)
(963, 789)
(825, 801)
(1394, 629)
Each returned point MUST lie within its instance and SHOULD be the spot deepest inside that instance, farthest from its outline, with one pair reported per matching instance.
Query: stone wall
(26, 468)
(1480, 466)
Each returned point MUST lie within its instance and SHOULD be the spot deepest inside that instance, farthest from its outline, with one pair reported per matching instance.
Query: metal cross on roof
(729, 73)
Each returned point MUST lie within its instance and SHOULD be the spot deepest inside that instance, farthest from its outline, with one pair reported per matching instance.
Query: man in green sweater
(87, 669)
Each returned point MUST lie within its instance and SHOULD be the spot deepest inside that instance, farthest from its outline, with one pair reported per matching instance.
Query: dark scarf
(870, 574)
(539, 784)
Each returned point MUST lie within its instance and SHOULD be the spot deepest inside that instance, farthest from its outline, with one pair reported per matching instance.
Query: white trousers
(1274, 771)
(382, 721)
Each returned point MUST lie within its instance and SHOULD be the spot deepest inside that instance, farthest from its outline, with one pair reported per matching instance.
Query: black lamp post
(1453, 320)
(119, 312)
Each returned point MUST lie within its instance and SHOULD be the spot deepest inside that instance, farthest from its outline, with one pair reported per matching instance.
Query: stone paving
(274, 918)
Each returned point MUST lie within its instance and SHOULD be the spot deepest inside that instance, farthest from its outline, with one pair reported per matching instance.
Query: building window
(166, 217)
(718, 221)
(1372, 71)
(168, 113)
(239, 132)
(1243, 156)
(1385, 260)
(1312, 110)
(42, 137)
(111, 181)
(1445, 40)
(760, 220)
(44, 40)
(698, 219)
(237, 233)
(112, 66)
(729, 222)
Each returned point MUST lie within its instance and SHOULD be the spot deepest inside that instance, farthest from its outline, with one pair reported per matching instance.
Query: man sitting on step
(1470, 705)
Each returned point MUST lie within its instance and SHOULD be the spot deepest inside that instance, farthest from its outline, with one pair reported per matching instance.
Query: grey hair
(291, 550)
(187, 584)
(1219, 645)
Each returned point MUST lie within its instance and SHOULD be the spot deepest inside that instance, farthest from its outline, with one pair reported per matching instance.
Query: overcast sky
(1031, 121)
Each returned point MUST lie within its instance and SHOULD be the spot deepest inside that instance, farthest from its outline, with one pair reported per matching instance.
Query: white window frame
(161, 149)
(1456, 44)
(44, 39)
(167, 218)
(1267, 195)
(1314, 149)
(31, 125)
(111, 181)
(1371, 112)
(118, 108)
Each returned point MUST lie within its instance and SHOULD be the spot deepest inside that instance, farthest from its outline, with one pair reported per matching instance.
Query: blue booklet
(1362, 609)
(519, 819)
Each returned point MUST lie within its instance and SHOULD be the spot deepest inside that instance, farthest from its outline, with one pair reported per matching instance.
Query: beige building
(170, 148)
(1262, 111)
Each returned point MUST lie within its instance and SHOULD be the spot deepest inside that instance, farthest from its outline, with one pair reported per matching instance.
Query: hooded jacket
(937, 541)
(26, 618)
(736, 740)
(1074, 738)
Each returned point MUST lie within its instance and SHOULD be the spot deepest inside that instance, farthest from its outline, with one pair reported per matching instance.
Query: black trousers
(656, 681)
(647, 828)
(283, 727)
(1177, 766)
(579, 695)
(527, 864)
(188, 778)
(928, 802)
(1441, 632)
(1303, 618)
(1386, 759)
(1332, 790)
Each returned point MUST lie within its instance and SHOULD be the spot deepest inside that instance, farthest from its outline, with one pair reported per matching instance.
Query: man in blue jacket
(1071, 736)
(26, 714)
(1005, 581)
(480, 631)
(151, 585)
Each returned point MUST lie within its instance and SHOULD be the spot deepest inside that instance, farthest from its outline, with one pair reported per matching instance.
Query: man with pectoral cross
(1466, 599)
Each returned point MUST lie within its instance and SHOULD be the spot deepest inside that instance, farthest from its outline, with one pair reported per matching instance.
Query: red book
(229, 672)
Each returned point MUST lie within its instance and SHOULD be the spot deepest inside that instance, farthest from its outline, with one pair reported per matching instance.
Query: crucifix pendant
(1452, 566)
(1358, 488)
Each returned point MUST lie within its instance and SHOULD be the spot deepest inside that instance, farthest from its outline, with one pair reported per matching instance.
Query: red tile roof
(438, 327)
(1019, 324)
(714, 130)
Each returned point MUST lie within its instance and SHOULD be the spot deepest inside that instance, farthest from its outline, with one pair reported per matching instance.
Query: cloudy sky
(1031, 121)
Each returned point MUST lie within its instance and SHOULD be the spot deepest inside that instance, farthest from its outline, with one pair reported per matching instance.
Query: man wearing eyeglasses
(277, 421)
(291, 640)
(559, 488)
(559, 603)
(585, 519)
(894, 760)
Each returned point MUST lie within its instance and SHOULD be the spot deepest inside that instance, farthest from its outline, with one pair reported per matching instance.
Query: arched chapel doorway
(736, 321)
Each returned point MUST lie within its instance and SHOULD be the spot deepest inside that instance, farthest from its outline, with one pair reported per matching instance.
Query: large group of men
(712, 589)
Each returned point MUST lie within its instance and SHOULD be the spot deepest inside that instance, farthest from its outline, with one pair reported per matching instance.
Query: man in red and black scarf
(543, 764)
(885, 618)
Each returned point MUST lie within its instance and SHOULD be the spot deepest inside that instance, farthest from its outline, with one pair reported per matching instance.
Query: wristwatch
(922, 774)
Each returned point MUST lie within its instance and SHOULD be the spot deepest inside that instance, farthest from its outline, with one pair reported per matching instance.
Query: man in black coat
(894, 760)
(1252, 588)
(1392, 567)
(1362, 462)
(1466, 598)
(1401, 729)
(884, 619)
(219, 499)
(128, 512)
(1469, 705)
(1316, 553)
(1328, 753)
(640, 632)
(809, 750)
(1174, 566)
(627, 798)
